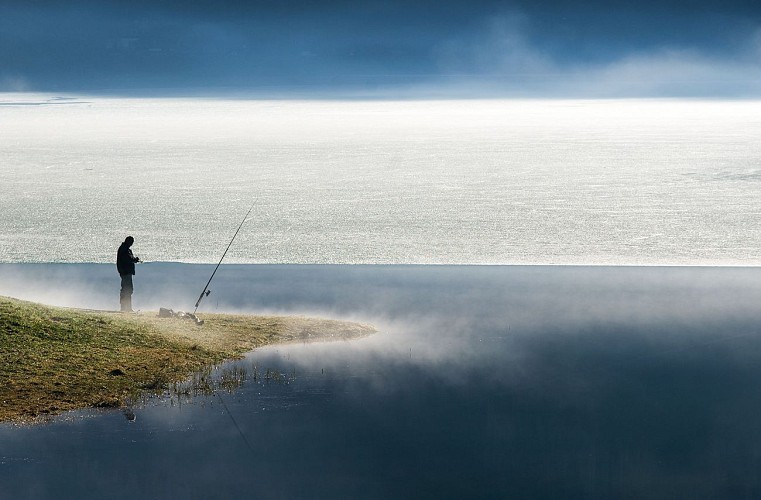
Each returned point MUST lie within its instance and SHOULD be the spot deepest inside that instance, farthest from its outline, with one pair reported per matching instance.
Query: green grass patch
(55, 359)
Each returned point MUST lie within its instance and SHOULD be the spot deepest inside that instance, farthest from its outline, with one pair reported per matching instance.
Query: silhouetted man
(125, 264)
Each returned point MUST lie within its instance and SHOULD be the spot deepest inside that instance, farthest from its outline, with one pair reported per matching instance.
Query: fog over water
(449, 182)
(483, 382)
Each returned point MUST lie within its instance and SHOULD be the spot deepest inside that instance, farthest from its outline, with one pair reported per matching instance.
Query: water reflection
(483, 383)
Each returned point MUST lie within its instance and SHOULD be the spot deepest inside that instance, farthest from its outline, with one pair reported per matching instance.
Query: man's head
(129, 240)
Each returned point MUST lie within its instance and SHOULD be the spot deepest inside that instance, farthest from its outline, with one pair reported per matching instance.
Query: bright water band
(468, 182)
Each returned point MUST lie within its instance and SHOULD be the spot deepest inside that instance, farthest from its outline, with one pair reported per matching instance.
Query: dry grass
(55, 359)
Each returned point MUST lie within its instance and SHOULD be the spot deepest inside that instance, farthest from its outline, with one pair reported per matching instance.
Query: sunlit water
(483, 382)
(548, 182)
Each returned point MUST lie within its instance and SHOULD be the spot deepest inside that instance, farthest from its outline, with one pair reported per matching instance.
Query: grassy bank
(55, 359)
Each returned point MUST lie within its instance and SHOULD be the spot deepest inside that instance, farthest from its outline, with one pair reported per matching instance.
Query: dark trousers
(125, 296)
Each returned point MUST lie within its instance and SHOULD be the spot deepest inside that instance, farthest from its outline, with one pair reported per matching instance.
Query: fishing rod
(206, 291)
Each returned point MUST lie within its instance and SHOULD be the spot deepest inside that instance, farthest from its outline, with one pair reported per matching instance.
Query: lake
(483, 382)
(498, 246)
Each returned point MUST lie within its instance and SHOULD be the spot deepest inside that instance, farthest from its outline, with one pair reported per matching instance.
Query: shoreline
(56, 359)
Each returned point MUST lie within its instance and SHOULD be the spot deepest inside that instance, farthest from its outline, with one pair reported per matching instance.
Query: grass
(55, 359)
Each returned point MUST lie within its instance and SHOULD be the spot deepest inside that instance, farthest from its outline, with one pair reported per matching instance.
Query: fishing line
(204, 292)
(240, 431)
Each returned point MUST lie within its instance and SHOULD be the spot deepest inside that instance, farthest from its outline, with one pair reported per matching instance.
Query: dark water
(484, 382)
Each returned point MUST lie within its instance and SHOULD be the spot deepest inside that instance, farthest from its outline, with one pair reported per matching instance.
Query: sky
(524, 48)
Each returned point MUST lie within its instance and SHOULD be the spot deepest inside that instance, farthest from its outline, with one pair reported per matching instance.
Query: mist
(438, 314)
(507, 60)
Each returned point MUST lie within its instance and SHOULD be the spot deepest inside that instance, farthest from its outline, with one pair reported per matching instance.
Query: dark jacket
(125, 261)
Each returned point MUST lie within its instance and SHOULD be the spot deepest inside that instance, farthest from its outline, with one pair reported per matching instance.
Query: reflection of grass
(232, 378)
(207, 381)
(55, 359)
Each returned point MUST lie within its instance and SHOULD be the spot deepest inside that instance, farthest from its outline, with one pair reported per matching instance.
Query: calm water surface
(484, 382)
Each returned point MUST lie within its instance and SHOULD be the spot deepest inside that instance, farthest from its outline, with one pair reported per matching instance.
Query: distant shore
(55, 359)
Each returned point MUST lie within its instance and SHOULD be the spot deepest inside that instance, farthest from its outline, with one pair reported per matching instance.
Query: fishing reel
(205, 293)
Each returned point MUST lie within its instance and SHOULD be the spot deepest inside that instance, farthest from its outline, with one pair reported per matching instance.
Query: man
(125, 264)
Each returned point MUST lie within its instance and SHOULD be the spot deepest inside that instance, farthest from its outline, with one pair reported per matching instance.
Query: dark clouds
(522, 47)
